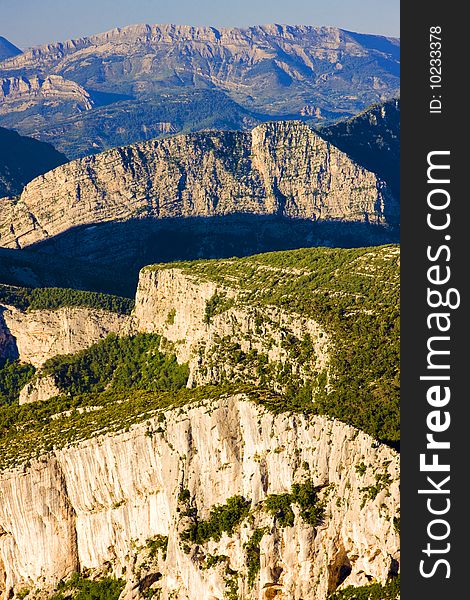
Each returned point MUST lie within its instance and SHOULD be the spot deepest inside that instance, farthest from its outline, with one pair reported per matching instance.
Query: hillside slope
(7, 49)
(372, 138)
(22, 159)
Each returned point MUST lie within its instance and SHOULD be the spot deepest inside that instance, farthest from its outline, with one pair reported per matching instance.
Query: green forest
(118, 363)
(54, 298)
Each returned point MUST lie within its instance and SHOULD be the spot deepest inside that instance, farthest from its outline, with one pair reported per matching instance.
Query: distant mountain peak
(161, 32)
(7, 49)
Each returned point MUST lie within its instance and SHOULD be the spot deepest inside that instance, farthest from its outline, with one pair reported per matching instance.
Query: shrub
(302, 494)
(361, 468)
(222, 519)
(170, 319)
(305, 496)
(81, 588)
(279, 505)
(375, 591)
(217, 304)
(252, 553)
(158, 544)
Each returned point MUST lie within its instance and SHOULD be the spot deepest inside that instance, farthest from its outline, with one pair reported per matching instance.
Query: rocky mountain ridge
(281, 169)
(171, 304)
(221, 58)
(19, 93)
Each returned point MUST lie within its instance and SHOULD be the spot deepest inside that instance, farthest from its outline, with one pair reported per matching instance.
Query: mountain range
(57, 92)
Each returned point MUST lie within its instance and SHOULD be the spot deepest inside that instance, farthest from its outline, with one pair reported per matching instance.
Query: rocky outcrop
(39, 390)
(174, 305)
(17, 94)
(34, 336)
(281, 169)
(96, 505)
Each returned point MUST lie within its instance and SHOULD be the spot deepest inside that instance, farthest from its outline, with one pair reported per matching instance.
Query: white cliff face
(174, 305)
(95, 505)
(37, 335)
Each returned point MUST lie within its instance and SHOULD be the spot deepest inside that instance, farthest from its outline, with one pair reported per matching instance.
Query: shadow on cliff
(124, 248)
(8, 347)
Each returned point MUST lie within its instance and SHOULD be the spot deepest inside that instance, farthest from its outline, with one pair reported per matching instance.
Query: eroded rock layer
(279, 169)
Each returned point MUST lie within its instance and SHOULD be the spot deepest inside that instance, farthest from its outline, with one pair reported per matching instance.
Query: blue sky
(33, 22)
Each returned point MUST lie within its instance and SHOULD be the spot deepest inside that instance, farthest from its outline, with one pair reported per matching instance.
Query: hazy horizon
(51, 21)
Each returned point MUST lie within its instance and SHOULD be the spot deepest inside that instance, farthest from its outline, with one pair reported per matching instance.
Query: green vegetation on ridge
(54, 298)
(30, 430)
(374, 591)
(77, 587)
(354, 295)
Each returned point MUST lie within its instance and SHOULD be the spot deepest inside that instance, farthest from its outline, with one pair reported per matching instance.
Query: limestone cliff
(37, 335)
(96, 505)
(174, 305)
(279, 169)
(39, 390)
